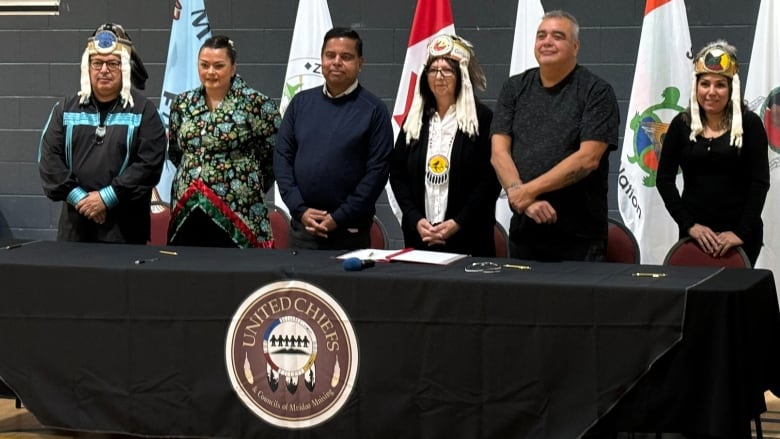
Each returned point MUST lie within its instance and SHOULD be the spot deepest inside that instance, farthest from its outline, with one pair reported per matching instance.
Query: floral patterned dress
(224, 161)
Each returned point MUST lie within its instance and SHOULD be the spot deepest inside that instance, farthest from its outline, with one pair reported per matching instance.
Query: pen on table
(18, 245)
(143, 261)
(645, 274)
(517, 267)
(168, 252)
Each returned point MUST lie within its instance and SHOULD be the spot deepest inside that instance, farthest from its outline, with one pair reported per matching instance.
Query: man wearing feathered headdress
(102, 149)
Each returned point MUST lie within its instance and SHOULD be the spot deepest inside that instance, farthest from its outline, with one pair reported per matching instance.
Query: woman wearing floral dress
(221, 139)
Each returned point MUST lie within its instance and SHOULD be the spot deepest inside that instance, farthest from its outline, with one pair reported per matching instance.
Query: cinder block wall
(39, 63)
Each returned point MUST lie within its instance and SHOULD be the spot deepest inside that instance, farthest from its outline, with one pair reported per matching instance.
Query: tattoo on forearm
(576, 176)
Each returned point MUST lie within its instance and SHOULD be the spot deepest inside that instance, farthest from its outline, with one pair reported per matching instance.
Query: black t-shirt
(546, 126)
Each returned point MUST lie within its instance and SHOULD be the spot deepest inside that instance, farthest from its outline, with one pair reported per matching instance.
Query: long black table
(91, 341)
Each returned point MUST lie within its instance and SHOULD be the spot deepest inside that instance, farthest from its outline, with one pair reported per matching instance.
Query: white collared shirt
(441, 134)
(349, 90)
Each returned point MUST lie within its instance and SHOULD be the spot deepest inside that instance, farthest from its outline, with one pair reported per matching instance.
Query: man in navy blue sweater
(332, 153)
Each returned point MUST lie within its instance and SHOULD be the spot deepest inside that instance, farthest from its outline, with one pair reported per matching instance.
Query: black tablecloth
(92, 341)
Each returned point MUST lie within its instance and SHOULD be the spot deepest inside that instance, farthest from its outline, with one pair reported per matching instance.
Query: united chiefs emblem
(292, 354)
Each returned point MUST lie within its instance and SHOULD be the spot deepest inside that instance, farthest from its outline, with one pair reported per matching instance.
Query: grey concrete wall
(39, 62)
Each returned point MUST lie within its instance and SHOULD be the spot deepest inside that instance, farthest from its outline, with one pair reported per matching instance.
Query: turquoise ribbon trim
(76, 195)
(109, 197)
(132, 121)
(71, 120)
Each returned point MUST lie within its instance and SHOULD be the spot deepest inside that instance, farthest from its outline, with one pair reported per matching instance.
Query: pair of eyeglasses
(446, 73)
(113, 66)
(482, 267)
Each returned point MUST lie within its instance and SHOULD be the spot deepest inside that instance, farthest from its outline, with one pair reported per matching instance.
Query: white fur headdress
(105, 41)
(460, 50)
(719, 58)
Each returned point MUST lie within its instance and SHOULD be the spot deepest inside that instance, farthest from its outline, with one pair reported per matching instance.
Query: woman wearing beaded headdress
(440, 168)
(721, 148)
(222, 136)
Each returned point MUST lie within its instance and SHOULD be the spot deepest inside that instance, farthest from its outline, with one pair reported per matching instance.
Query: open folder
(405, 255)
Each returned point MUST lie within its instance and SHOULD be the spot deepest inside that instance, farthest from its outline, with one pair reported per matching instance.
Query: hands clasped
(318, 222)
(438, 234)
(715, 244)
(522, 201)
(92, 207)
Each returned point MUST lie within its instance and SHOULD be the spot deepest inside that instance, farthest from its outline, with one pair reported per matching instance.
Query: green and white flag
(304, 66)
(661, 89)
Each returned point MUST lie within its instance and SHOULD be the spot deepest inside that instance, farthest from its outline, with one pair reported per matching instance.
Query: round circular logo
(105, 42)
(772, 119)
(440, 46)
(292, 354)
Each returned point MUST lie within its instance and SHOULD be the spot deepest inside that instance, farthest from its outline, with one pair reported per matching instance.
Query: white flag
(762, 91)
(529, 15)
(304, 66)
(661, 89)
(189, 30)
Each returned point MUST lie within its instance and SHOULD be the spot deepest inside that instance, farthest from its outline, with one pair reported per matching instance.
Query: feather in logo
(292, 354)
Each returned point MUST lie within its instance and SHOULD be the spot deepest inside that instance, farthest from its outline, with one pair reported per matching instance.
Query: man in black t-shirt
(551, 133)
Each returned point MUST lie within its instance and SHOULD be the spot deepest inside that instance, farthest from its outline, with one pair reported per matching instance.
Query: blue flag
(189, 30)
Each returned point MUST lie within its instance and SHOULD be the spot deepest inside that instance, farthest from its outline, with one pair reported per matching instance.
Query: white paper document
(404, 255)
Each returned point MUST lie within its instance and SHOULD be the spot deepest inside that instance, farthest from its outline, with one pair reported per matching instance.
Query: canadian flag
(662, 86)
(762, 91)
(431, 18)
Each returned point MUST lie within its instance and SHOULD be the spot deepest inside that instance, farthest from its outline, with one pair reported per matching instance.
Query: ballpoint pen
(17, 245)
(648, 274)
(517, 267)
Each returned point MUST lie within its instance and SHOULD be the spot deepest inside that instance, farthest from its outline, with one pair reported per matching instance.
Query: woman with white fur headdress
(440, 168)
(721, 148)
